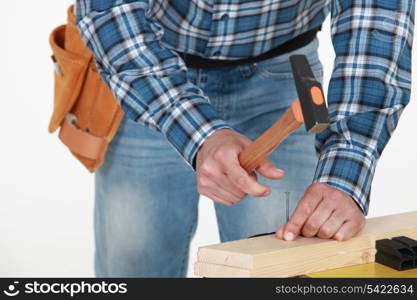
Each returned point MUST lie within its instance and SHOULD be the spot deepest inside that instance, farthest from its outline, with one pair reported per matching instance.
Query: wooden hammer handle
(257, 152)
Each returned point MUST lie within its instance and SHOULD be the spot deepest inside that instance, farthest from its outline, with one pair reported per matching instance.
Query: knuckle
(240, 182)
(316, 188)
(307, 231)
(207, 170)
(325, 232)
(306, 208)
(245, 142)
(334, 219)
(312, 225)
(295, 224)
(313, 188)
(334, 195)
(328, 204)
(219, 155)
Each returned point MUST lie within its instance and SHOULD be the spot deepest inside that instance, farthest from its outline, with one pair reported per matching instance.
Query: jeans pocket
(280, 66)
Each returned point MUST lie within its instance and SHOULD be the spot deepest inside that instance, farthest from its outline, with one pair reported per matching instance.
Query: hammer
(309, 109)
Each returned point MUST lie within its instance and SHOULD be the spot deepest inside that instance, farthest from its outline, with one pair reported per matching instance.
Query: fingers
(350, 228)
(244, 182)
(208, 186)
(280, 232)
(303, 211)
(318, 219)
(269, 170)
(218, 199)
(225, 190)
(324, 212)
(345, 232)
(331, 226)
(227, 187)
(219, 174)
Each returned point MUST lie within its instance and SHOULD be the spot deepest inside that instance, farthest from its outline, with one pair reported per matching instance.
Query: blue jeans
(146, 197)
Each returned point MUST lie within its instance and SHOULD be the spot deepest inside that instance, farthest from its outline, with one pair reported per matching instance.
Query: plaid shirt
(133, 43)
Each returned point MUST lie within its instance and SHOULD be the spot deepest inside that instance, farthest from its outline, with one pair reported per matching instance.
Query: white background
(46, 196)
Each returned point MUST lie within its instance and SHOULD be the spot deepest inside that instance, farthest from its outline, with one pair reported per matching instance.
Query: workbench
(369, 270)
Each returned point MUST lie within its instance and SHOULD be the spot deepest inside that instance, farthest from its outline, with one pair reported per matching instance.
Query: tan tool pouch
(85, 110)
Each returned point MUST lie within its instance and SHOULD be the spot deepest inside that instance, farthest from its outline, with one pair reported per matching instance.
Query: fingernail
(289, 236)
(280, 171)
(267, 193)
(259, 189)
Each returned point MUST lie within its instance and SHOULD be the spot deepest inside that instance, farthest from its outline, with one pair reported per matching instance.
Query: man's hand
(325, 212)
(219, 174)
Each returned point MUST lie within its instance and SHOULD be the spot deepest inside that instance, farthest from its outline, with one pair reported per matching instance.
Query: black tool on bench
(410, 243)
(399, 253)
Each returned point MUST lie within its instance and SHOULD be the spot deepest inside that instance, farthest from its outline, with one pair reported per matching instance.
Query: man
(161, 60)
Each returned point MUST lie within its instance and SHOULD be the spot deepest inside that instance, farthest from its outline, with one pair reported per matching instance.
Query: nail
(280, 171)
(289, 236)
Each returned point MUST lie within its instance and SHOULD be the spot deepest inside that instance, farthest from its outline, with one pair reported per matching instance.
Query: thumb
(269, 170)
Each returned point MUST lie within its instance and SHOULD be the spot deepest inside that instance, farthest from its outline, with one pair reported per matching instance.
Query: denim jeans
(146, 198)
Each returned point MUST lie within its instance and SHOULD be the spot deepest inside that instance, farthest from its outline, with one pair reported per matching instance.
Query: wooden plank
(212, 270)
(268, 256)
(289, 269)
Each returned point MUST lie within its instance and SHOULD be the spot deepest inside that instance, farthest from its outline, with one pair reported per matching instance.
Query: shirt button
(224, 17)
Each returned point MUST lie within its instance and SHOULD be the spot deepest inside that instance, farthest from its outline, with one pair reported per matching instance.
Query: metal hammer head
(310, 94)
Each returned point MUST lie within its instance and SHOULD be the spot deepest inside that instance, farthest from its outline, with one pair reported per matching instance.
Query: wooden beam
(266, 256)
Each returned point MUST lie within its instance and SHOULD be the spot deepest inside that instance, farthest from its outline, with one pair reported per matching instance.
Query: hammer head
(310, 94)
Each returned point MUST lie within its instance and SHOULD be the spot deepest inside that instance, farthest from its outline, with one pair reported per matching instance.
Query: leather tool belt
(85, 111)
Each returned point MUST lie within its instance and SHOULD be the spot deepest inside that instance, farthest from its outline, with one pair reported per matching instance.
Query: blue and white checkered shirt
(133, 43)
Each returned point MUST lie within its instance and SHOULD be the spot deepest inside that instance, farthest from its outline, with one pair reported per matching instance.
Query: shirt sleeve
(149, 80)
(368, 90)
